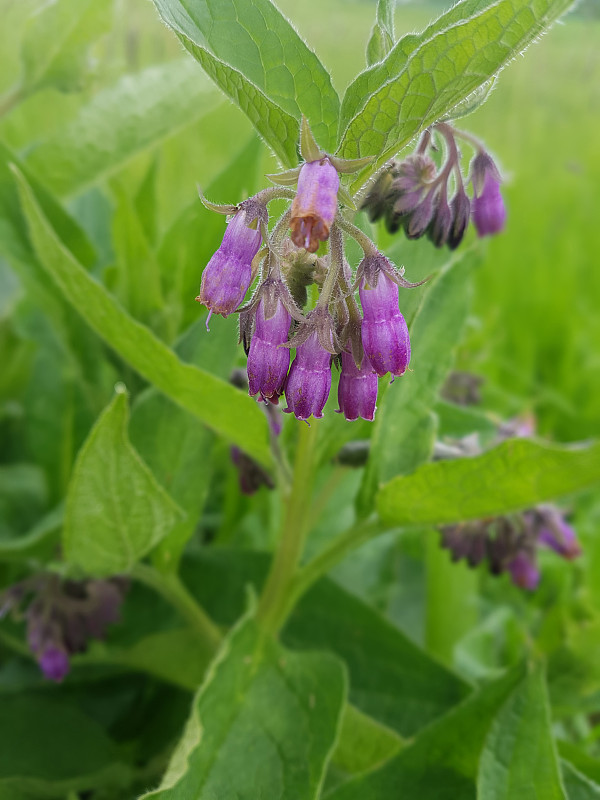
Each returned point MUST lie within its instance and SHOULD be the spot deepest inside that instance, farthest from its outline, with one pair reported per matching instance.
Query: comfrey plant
(277, 318)
(307, 677)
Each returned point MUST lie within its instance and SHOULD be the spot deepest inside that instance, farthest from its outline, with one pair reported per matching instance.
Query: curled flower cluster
(62, 615)
(510, 543)
(332, 330)
(414, 194)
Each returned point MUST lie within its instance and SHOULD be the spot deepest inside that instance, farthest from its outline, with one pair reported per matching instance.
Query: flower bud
(54, 663)
(489, 213)
(441, 223)
(417, 223)
(556, 533)
(228, 274)
(523, 570)
(460, 206)
(357, 389)
(315, 205)
(309, 381)
(384, 331)
(268, 362)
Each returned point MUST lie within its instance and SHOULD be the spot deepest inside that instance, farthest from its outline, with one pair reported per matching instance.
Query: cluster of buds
(62, 615)
(414, 194)
(510, 543)
(332, 330)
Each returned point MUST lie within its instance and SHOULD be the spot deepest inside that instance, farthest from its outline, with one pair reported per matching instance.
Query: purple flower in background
(384, 330)
(523, 570)
(268, 361)
(556, 533)
(309, 381)
(54, 663)
(315, 205)
(228, 274)
(357, 389)
(62, 615)
(489, 212)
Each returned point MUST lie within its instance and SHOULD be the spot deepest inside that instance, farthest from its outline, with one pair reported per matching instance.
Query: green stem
(173, 590)
(332, 555)
(273, 602)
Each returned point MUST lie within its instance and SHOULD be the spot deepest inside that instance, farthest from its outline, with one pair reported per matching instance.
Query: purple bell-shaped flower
(268, 361)
(489, 212)
(384, 331)
(357, 389)
(309, 381)
(228, 274)
(315, 205)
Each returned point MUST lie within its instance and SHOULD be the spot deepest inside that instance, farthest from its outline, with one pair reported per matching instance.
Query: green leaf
(391, 679)
(363, 743)
(517, 474)
(263, 724)
(36, 542)
(135, 114)
(57, 39)
(116, 512)
(442, 762)
(440, 73)
(577, 785)
(519, 759)
(214, 402)
(50, 748)
(382, 35)
(376, 75)
(249, 46)
(404, 431)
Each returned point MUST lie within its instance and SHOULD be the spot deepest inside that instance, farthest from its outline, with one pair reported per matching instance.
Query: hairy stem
(274, 599)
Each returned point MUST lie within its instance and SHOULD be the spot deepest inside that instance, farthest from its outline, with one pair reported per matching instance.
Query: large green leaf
(404, 431)
(263, 724)
(519, 759)
(116, 511)
(250, 49)
(442, 762)
(56, 41)
(577, 785)
(213, 401)
(391, 679)
(138, 112)
(50, 748)
(513, 476)
(377, 74)
(441, 72)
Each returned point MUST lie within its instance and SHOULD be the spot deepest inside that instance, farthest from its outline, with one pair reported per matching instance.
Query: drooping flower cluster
(62, 615)
(510, 543)
(414, 194)
(326, 326)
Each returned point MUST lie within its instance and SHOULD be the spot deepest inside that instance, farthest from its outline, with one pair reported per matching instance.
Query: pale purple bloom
(315, 205)
(523, 571)
(309, 381)
(227, 275)
(357, 389)
(268, 361)
(384, 330)
(54, 663)
(489, 213)
(556, 533)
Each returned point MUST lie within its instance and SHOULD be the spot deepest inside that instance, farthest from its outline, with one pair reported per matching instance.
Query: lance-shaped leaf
(515, 475)
(262, 725)
(56, 41)
(381, 40)
(252, 39)
(442, 72)
(116, 511)
(138, 112)
(519, 758)
(213, 401)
